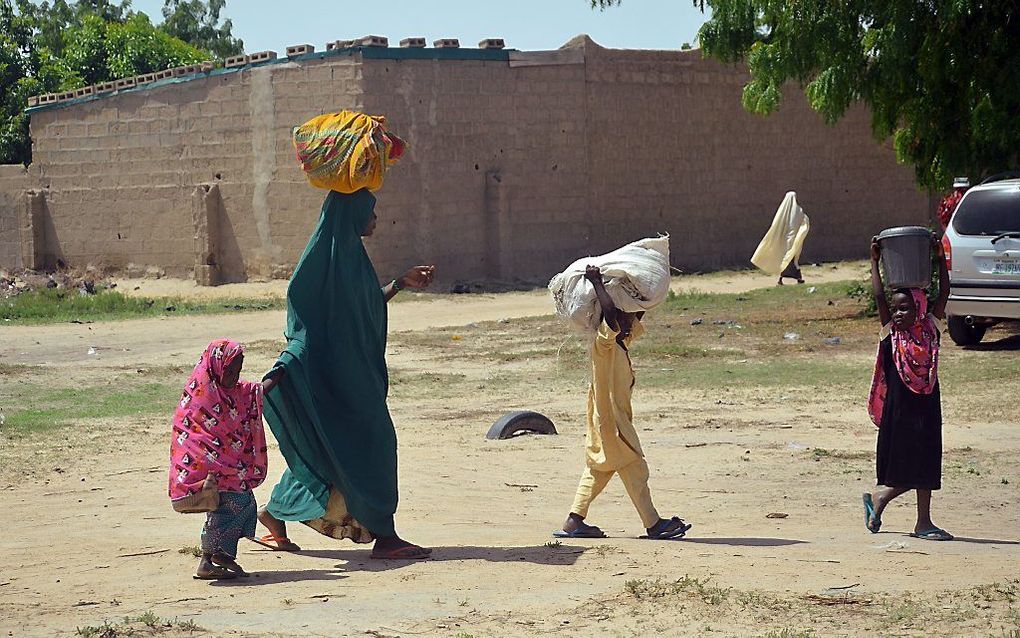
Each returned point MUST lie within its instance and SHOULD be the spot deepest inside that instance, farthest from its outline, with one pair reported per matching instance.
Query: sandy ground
(174, 340)
(96, 539)
(728, 281)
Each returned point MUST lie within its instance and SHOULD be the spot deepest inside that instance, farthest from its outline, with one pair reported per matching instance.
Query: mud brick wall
(121, 171)
(673, 150)
(13, 182)
(496, 182)
(519, 163)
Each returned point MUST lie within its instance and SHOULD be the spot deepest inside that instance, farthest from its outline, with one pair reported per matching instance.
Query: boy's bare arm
(609, 310)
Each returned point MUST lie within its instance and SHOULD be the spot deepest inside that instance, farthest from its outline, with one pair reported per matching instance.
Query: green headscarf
(328, 411)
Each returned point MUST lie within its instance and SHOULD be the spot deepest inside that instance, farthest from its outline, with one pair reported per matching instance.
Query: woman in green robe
(329, 410)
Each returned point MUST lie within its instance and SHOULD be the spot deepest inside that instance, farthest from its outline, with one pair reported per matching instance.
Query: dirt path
(95, 540)
(719, 282)
(176, 339)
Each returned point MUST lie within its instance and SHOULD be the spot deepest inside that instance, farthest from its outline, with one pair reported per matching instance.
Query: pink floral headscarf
(217, 430)
(915, 352)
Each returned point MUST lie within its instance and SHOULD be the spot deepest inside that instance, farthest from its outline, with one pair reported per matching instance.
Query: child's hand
(270, 383)
(876, 249)
(936, 246)
(593, 273)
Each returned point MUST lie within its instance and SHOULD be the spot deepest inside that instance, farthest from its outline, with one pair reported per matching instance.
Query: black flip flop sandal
(675, 528)
(216, 573)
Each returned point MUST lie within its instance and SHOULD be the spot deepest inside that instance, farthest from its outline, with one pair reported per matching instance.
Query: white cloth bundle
(785, 239)
(637, 279)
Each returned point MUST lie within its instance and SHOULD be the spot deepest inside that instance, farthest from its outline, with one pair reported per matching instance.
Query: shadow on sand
(745, 542)
(359, 559)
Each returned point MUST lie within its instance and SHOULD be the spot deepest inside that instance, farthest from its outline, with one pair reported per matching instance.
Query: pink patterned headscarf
(217, 430)
(915, 352)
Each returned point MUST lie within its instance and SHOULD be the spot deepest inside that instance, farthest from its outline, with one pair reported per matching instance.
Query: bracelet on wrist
(396, 285)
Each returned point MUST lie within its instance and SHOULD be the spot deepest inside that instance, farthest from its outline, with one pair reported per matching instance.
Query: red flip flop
(283, 544)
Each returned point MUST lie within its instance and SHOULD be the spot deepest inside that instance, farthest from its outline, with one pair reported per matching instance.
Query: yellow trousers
(635, 479)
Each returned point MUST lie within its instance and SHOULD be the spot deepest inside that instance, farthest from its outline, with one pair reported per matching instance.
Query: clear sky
(524, 24)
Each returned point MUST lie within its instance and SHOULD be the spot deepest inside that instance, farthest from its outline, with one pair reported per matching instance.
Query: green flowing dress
(328, 411)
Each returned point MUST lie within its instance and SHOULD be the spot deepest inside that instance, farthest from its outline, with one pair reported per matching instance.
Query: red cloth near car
(948, 206)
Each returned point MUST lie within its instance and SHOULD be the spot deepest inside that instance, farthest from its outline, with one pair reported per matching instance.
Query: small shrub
(685, 585)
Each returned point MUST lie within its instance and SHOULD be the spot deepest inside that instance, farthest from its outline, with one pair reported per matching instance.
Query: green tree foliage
(198, 22)
(63, 45)
(941, 78)
(51, 19)
(100, 51)
(26, 69)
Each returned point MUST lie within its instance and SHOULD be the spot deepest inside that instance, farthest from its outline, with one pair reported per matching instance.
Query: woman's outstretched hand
(418, 277)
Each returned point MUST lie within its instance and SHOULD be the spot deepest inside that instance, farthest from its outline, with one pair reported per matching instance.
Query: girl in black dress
(905, 401)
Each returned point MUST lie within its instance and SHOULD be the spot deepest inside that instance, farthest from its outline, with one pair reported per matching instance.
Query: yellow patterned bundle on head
(346, 151)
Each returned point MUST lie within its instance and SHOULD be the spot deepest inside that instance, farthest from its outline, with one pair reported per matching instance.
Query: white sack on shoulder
(785, 239)
(636, 276)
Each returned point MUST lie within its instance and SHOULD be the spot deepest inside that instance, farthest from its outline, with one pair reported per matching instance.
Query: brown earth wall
(14, 181)
(673, 150)
(515, 168)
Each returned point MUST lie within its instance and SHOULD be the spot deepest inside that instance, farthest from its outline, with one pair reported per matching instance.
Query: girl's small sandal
(216, 573)
(283, 544)
(872, 522)
(229, 564)
(933, 534)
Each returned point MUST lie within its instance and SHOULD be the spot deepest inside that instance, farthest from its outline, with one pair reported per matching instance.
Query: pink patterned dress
(217, 430)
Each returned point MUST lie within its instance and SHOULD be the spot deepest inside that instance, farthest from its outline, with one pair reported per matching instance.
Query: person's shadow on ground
(745, 542)
(276, 577)
(982, 541)
(359, 559)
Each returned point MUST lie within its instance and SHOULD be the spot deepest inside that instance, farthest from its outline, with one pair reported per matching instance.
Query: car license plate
(1006, 266)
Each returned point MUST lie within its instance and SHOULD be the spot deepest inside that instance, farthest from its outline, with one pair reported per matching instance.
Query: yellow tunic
(612, 441)
(612, 445)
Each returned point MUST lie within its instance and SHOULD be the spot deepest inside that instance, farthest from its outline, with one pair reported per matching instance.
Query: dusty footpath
(90, 536)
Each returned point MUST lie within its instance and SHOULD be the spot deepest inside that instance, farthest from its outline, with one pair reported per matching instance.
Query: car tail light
(947, 248)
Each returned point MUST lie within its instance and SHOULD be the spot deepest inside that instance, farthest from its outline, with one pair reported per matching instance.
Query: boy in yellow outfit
(611, 441)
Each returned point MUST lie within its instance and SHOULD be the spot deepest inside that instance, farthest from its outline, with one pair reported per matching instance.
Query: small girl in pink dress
(218, 442)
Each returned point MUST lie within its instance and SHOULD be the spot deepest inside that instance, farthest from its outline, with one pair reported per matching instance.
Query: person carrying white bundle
(636, 278)
(612, 447)
(779, 251)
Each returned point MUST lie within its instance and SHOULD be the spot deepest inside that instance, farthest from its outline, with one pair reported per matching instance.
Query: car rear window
(990, 212)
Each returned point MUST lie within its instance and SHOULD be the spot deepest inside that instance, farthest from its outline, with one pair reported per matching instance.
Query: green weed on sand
(55, 305)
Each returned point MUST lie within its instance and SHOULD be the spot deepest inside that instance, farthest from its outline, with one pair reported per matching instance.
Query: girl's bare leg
(923, 512)
(883, 496)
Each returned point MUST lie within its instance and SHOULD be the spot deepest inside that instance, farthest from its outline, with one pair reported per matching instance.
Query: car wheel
(964, 335)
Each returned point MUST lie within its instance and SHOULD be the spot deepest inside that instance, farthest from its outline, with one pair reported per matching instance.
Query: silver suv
(982, 245)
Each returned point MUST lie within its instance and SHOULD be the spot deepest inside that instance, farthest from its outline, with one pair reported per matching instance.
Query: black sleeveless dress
(910, 437)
